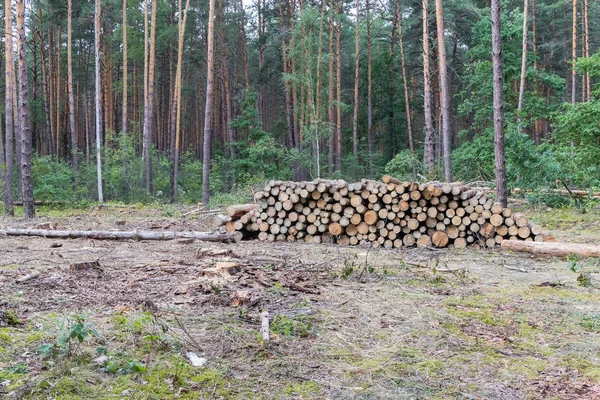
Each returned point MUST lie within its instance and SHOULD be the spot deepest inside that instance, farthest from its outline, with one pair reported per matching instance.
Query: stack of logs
(391, 214)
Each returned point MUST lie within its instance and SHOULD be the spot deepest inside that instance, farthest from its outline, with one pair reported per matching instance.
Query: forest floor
(346, 323)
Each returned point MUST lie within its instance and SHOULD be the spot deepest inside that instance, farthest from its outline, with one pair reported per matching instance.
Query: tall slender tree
(177, 97)
(369, 89)
(411, 145)
(501, 190)
(97, 11)
(445, 91)
(72, 126)
(25, 116)
(9, 96)
(428, 151)
(574, 54)
(523, 59)
(125, 72)
(207, 144)
(356, 75)
(149, 109)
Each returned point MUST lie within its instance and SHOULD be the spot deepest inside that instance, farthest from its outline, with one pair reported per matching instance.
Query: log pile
(390, 214)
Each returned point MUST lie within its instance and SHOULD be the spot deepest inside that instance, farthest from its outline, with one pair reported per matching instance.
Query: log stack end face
(389, 214)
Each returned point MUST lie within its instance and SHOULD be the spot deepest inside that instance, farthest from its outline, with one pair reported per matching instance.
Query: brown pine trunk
(45, 89)
(148, 117)
(356, 75)
(523, 60)
(338, 52)
(501, 190)
(206, 146)
(176, 106)
(586, 47)
(286, 83)
(97, 100)
(574, 54)
(124, 109)
(58, 88)
(406, 96)
(72, 129)
(428, 151)
(145, 144)
(369, 92)
(330, 104)
(9, 96)
(445, 92)
(27, 186)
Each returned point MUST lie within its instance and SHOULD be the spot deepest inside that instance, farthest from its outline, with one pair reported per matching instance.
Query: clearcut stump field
(118, 319)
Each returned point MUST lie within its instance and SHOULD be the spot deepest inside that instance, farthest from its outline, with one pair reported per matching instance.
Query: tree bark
(210, 61)
(356, 76)
(523, 60)
(124, 105)
(552, 248)
(369, 91)
(97, 100)
(445, 92)
(428, 151)
(149, 109)
(338, 51)
(72, 128)
(501, 191)
(9, 96)
(330, 104)
(228, 237)
(406, 97)
(586, 47)
(574, 55)
(58, 87)
(177, 98)
(26, 182)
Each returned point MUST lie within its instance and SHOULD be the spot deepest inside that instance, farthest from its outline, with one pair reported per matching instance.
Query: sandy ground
(346, 322)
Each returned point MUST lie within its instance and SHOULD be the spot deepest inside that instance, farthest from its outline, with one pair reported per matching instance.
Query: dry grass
(385, 324)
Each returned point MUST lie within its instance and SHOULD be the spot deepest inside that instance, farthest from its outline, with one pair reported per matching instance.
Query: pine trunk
(210, 60)
(356, 75)
(445, 91)
(331, 98)
(523, 60)
(574, 54)
(25, 116)
(406, 96)
(97, 100)
(369, 91)
(72, 128)
(428, 151)
(124, 105)
(9, 96)
(501, 192)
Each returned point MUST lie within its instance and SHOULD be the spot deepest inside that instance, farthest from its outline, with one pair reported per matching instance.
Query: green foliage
(257, 154)
(577, 139)
(75, 330)
(590, 322)
(527, 165)
(403, 165)
(292, 327)
(584, 278)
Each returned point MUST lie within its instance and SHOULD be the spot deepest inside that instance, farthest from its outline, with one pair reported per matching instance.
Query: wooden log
(236, 211)
(556, 249)
(439, 239)
(335, 229)
(215, 236)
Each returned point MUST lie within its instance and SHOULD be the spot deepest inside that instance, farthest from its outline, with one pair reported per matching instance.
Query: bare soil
(346, 322)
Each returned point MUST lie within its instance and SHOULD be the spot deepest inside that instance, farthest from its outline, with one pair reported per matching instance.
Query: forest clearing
(345, 322)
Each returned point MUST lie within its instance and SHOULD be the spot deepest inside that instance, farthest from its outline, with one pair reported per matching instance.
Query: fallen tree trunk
(552, 248)
(136, 235)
